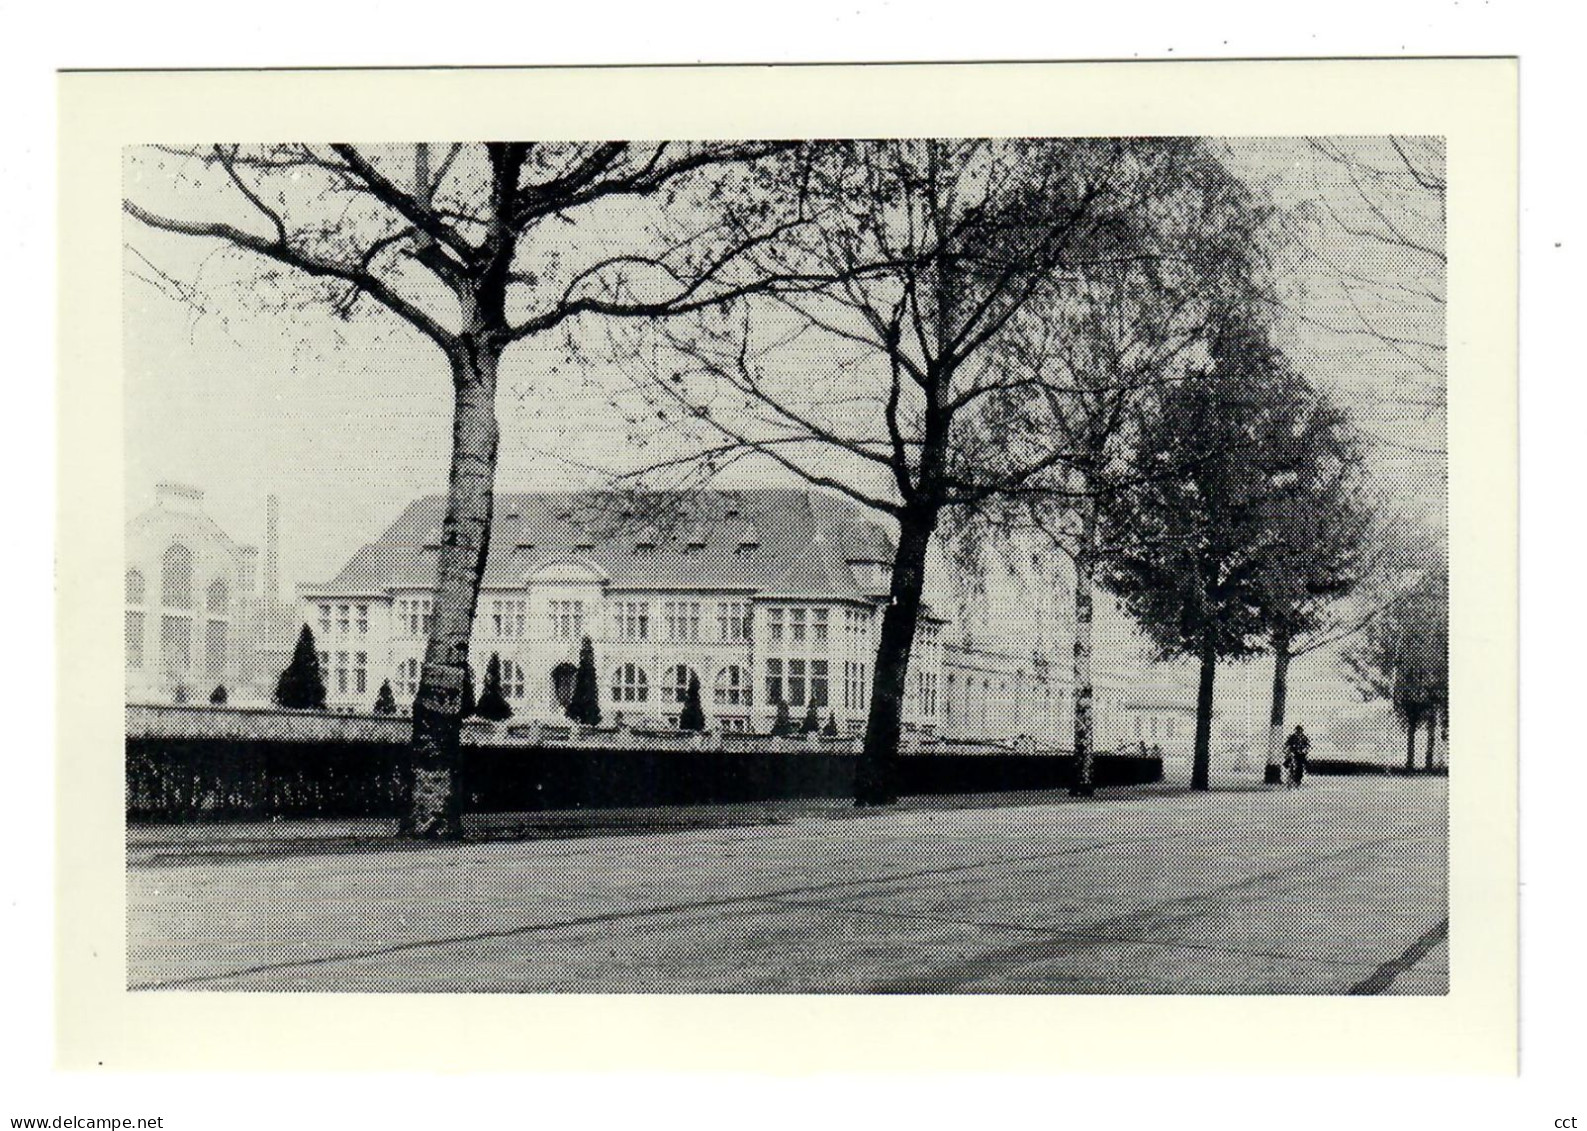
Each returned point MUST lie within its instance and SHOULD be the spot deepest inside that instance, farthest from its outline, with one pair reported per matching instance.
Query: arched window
(630, 684)
(408, 678)
(176, 578)
(217, 596)
(732, 687)
(675, 684)
(511, 680)
(563, 678)
(134, 587)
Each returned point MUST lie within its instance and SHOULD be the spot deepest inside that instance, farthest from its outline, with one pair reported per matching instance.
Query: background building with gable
(762, 594)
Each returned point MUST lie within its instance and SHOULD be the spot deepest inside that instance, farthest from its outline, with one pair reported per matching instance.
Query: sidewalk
(155, 845)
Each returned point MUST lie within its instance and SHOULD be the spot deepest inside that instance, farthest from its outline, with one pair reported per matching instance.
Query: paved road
(1336, 888)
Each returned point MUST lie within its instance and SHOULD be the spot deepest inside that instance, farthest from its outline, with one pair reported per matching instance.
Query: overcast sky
(347, 422)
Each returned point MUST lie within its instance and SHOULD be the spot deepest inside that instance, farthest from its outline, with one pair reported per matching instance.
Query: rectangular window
(567, 620)
(325, 620)
(342, 622)
(683, 620)
(796, 683)
(774, 682)
(135, 640)
(796, 626)
(360, 672)
(732, 623)
(818, 629)
(633, 620)
(362, 613)
(341, 673)
(215, 649)
(818, 682)
(774, 627)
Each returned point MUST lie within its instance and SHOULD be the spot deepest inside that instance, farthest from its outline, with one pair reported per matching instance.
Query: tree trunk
(1432, 739)
(1411, 723)
(1201, 761)
(1084, 783)
(873, 773)
(1274, 772)
(434, 801)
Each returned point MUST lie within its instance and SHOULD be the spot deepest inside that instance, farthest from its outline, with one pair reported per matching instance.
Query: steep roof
(773, 540)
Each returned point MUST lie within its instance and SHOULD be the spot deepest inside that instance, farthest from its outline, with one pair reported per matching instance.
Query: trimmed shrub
(585, 705)
(302, 686)
(693, 716)
(493, 703)
(812, 721)
(217, 698)
(784, 724)
(385, 701)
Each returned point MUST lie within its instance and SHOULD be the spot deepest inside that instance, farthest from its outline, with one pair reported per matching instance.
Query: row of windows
(508, 617)
(567, 620)
(346, 672)
(630, 682)
(176, 584)
(798, 626)
(176, 644)
(791, 690)
(346, 619)
(416, 616)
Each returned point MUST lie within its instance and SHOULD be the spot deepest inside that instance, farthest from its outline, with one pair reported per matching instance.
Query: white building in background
(762, 594)
(198, 613)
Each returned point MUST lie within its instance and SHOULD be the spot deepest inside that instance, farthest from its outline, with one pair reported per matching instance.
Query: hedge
(194, 779)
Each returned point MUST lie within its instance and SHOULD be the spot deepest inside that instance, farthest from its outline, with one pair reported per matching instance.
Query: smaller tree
(217, 698)
(385, 701)
(693, 717)
(1404, 658)
(493, 703)
(585, 704)
(302, 687)
(784, 724)
(179, 694)
(831, 729)
(812, 721)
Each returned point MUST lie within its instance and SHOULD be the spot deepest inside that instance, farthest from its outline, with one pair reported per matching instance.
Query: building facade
(199, 615)
(762, 595)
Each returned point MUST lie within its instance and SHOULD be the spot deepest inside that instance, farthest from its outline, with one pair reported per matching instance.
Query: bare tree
(476, 247)
(887, 386)
(1111, 343)
(1374, 232)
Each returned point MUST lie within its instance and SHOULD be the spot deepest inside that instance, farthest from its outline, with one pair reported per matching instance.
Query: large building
(761, 594)
(198, 613)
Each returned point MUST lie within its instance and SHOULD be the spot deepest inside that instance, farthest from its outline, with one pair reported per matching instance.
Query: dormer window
(748, 538)
(644, 549)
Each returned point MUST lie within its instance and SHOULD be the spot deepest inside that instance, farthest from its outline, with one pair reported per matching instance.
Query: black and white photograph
(932, 565)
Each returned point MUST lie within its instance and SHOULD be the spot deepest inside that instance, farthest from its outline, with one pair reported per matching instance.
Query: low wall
(356, 770)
